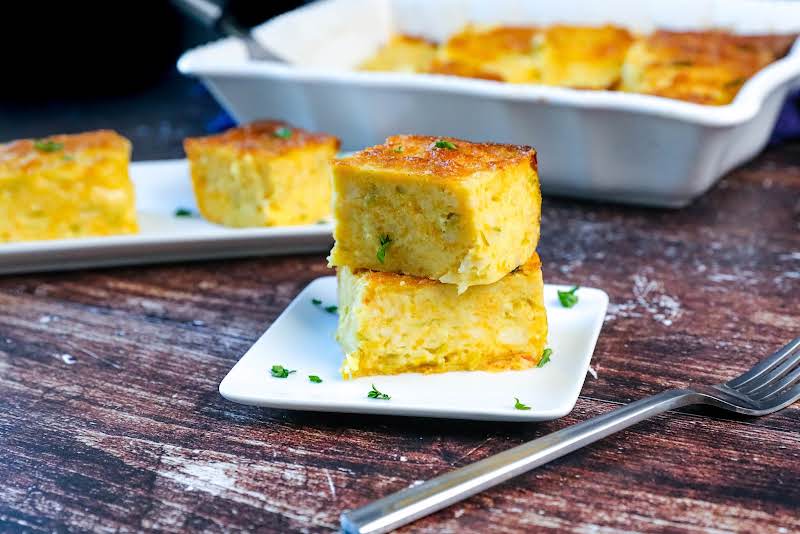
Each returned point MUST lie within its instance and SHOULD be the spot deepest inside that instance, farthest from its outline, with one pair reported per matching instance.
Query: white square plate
(301, 339)
(161, 188)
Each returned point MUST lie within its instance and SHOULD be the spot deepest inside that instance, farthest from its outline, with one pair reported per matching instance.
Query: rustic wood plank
(134, 436)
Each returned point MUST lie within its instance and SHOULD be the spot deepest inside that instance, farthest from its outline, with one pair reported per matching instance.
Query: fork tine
(764, 366)
(770, 377)
(775, 388)
(784, 399)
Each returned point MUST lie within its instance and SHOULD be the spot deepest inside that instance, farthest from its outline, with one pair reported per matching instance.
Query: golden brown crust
(489, 53)
(486, 45)
(607, 57)
(584, 57)
(589, 43)
(706, 67)
(99, 139)
(394, 279)
(419, 154)
(465, 70)
(260, 136)
(749, 52)
(413, 39)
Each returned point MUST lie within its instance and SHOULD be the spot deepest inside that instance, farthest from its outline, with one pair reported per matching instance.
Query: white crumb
(68, 359)
(649, 299)
(330, 483)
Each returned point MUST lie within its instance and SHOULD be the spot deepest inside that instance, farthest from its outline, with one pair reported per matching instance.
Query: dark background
(74, 66)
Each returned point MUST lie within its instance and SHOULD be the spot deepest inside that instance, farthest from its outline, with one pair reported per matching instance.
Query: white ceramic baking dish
(592, 144)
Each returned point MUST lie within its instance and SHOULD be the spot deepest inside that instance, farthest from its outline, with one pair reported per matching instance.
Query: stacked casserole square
(435, 250)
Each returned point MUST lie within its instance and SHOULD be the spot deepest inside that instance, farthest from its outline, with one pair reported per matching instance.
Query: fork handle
(412, 503)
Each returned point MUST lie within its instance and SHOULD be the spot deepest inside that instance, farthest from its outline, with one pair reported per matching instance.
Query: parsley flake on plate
(283, 132)
(375, 394)
(385, 241)
(443, 143)
(47, 145)
(329, 309)
(519, 406)
(545, 359)
(399, 149)
(569, 298)
(279, 371)
(314, 378)
(183, 212)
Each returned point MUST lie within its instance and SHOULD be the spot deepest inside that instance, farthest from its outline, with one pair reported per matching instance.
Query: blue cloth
(221, 122)
(788, 125)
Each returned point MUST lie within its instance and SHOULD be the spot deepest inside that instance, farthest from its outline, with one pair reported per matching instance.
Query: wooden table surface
(134, 436)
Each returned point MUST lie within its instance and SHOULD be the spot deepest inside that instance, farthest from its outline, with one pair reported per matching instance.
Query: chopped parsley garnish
(283, 132)
(329, 309)
(519, 406)
(736, 82)
(314, 378)
(385, 241)
(375, 394)
(47, 145)
(569, 298)
(545, 359)
(68, 157)
(398, 149)
(183, 212)
(279, 371)
(443, 143)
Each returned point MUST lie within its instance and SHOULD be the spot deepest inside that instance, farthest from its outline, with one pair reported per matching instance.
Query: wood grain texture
(134, 437)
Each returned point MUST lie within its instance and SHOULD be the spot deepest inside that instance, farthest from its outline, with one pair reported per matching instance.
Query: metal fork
(769, 386)
(212, 15)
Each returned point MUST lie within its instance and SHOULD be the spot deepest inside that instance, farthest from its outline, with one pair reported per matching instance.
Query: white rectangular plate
(301, 339)
(161, 188)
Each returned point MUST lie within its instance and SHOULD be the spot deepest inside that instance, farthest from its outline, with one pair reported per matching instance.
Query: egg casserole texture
(440, 208)
(503, 53)
(583, 57)
(403, 53)
(706, 67)
(266, 173)
(66, 186)
(391, 323)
